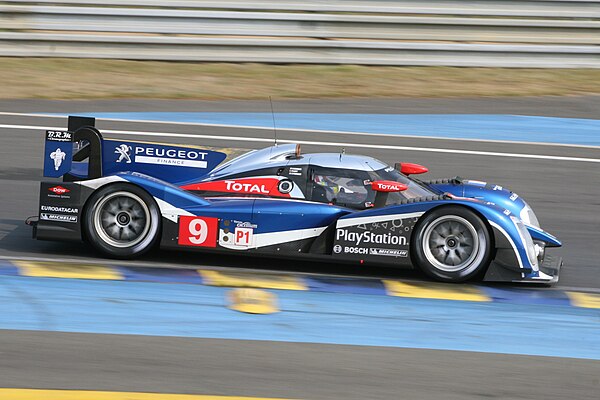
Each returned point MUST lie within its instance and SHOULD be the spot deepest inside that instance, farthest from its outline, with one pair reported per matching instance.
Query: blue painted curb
(501, 127)
(327, 284)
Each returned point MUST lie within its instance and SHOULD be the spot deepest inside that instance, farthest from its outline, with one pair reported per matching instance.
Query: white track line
(270, 128)
(316, 143)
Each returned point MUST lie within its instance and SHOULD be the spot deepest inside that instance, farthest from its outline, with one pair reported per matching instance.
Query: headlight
(540, 249)
(528, 216)
(527, 242)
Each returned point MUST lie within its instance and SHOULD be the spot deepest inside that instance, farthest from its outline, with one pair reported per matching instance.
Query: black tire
(452, 244)
(122, 221)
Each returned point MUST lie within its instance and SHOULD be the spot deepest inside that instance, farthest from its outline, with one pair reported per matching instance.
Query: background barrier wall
(503, 33)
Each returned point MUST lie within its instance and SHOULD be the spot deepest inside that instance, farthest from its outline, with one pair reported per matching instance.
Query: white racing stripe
(275, 238)
(98, 182)
(169, 211)
(319, 143)
(512, 243)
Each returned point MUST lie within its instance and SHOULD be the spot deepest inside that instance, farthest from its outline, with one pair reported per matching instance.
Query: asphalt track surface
(563, 193)
(287, 370)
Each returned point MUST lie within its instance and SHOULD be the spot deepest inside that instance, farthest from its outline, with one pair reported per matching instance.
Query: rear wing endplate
(79, 142)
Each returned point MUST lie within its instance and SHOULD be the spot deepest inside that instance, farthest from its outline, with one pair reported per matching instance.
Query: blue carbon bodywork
(270, 215)
(275, 215)
(486, 192)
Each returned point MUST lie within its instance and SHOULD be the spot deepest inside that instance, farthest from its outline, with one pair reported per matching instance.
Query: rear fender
(171, 199)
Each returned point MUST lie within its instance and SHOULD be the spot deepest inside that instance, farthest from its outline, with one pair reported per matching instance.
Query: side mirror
(410, 168)
(383, 189)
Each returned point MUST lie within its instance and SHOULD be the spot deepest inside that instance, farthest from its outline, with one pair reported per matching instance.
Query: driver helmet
(327, 182)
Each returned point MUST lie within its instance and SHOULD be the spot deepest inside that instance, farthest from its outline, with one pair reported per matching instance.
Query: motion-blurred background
(504, 91)
(288, 48)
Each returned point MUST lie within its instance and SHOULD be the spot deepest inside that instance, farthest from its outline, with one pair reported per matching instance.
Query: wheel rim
(121, 219)
(451, 243)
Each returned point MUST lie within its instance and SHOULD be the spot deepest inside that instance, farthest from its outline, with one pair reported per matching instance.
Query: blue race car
(126, 197)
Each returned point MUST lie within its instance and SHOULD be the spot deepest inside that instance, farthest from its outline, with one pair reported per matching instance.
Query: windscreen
(352, 188)
(414, 190)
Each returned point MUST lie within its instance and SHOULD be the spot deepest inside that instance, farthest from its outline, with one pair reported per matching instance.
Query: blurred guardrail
(509, 33)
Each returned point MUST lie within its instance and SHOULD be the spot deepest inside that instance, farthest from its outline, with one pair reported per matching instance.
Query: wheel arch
(124, 185)
(462, 205)
(441, 207)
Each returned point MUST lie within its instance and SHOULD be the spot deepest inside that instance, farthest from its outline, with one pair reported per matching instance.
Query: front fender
(485, 192)
(510, 236)
(510, 241)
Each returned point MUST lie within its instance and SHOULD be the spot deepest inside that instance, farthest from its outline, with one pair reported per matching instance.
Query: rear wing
(81, 153)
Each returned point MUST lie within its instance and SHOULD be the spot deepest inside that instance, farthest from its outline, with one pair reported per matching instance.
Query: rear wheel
(122, 221)
(452, 244)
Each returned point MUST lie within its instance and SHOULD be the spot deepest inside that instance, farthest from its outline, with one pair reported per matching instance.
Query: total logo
(387, 187)
(262, 186)
(243, 187)
(59, 190)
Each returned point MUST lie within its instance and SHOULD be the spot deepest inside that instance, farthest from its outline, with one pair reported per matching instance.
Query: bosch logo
(59, 190)
(337, 248)
(285, 186)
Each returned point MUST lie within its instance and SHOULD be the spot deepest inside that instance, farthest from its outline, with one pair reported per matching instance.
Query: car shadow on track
(16, 241)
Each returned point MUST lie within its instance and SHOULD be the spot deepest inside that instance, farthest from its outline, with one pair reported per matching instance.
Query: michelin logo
(58, 217)
(369, 237)
(58, 156)
(388, 252)
(161, 156)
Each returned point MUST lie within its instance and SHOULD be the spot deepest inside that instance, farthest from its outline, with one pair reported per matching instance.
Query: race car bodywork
(126, 197)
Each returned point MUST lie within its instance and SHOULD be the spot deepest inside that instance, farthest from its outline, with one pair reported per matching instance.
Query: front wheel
(122, 221)
(452, 244)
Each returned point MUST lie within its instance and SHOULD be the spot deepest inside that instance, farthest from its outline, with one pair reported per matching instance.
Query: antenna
(273, 117)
